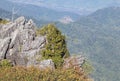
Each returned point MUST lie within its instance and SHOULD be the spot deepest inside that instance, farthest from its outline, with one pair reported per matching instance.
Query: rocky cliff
(20, 44)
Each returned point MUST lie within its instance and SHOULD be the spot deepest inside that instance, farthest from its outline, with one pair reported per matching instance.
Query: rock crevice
(19, 43)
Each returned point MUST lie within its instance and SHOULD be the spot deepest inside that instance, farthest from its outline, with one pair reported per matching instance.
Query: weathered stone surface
(4, 46)
(7, 30)
(14, 36)
(39, 42)
(30, 25)
(20, 45)
(74, 62)
(45, 64)
(20, 21)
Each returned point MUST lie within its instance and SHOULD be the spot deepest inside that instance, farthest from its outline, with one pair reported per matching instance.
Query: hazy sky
(88, 5)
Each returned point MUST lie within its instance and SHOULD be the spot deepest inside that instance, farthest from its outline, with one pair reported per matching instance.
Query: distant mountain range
(97, 36)
(37, 12)
(5, 14)
(61, 5)
(110, 15)
(77, 6)
(8, 15)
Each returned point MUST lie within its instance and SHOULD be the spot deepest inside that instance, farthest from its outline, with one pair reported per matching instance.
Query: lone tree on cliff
(55, 48)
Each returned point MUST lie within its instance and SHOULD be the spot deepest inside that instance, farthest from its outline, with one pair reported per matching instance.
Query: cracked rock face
(20, 45)
(4, 46)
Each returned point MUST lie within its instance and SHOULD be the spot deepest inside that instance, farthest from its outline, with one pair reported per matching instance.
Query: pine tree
(56, 48)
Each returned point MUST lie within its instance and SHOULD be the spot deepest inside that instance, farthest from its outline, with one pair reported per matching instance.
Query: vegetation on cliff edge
(55, 48)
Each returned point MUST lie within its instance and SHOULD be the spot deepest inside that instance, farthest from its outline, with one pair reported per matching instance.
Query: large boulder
(20, 45)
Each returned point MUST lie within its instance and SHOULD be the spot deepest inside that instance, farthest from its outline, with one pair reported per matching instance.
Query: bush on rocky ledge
(56, 48)
(3, 21)
(5, 63)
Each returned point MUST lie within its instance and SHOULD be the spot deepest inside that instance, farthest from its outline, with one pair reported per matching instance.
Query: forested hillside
(97, 37)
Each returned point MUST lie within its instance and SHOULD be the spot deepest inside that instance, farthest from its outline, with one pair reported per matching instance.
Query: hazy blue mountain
(37, 12)
(5, 14)
(8, 15)
(97, 36)
(78, 6)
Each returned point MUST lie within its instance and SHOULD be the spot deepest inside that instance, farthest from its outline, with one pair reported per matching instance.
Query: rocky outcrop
(74, 62)
(20, 45)
(66, 20)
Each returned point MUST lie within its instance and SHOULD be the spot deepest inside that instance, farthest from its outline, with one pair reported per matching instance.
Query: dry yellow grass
(35, 74)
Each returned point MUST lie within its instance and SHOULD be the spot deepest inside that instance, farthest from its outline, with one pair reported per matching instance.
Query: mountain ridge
(39, 13)
(97, 37)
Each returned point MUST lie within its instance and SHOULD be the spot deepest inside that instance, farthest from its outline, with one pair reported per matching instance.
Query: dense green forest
(97, 37)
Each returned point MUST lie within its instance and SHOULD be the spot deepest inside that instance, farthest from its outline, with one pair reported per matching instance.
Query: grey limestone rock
(73, 62)
(45, 64)
(20, 45)
(4, 46)
(20, 21)
(7, 30)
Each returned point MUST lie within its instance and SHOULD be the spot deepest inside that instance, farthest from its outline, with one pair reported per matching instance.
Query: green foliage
(3, 21)
(56, 48)
(35, 74)
(5, 63)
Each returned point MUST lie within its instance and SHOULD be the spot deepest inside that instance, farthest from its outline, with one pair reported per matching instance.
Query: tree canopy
(56, 48)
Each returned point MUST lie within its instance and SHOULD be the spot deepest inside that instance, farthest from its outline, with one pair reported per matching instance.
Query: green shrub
(55, 48)
(5, 63)
(3, 21)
